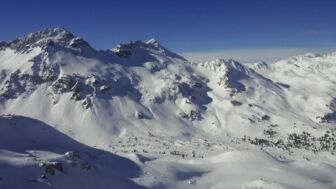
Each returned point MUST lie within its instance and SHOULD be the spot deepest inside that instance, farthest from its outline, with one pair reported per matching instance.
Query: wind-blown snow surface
(176, 124)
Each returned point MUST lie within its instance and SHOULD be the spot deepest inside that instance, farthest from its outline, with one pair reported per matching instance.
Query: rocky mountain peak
(138, 47)
(153, 41)
(47, 37)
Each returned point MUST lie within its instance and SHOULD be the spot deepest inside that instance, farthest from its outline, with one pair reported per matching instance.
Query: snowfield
(141, 116)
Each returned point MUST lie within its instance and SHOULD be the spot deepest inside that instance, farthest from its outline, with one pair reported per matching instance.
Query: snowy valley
(141, 116)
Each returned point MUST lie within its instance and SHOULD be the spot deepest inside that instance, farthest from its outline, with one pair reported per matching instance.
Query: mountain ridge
(173, 121)
(91, 76)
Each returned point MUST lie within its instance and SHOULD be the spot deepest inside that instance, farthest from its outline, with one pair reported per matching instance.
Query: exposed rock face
(43, 38)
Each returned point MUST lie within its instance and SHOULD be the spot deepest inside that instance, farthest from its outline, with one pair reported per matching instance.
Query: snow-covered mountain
(151, 105)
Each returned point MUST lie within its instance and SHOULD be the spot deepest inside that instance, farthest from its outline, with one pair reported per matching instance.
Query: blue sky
(249, 30)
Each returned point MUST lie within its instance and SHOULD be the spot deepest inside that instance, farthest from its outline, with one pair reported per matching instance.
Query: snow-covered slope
(35, 155)
(146, 103)
(310, 82)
